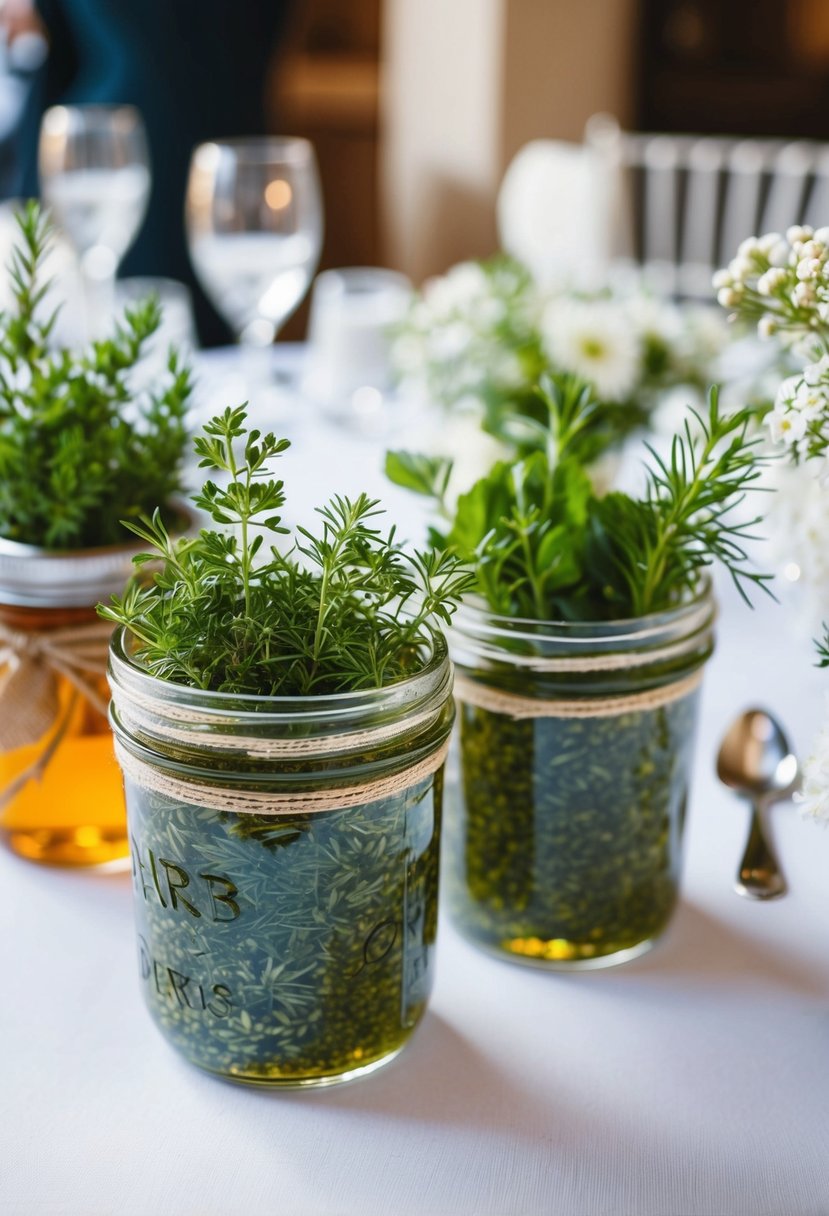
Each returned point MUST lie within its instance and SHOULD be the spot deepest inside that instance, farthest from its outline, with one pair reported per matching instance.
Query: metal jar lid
(32, 577)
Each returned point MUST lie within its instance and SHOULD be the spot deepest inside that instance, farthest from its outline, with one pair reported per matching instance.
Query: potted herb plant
(78, 453)
(282, 722)
(578, 667)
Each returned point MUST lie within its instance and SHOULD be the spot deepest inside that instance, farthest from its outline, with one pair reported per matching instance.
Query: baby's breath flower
(729, 297)
(803, 295)
(771, 280)
(787, 427)
(799, 233)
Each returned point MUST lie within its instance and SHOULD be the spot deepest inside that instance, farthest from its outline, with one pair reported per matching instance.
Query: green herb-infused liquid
(287, 950)
(567, 842)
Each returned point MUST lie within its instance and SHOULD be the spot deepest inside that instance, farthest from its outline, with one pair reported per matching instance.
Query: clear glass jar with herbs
(578, 672)
(282, 723)
(285, 868)
(576, 745)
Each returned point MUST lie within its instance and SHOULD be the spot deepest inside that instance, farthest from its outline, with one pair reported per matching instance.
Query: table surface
(690, 1082)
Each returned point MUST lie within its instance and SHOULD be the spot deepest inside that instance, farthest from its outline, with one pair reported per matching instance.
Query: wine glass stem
(98, 305)
(256, 357)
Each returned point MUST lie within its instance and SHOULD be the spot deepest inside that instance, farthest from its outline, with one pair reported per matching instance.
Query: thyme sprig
(78, 452)
(544, 545)
(339, 609)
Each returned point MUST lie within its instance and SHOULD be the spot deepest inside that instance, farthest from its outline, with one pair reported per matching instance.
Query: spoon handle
(759, 876)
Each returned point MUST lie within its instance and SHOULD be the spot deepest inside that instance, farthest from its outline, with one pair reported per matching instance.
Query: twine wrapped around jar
(482, 696)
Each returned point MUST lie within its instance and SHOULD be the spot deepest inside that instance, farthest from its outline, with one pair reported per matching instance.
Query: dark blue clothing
(196, 69)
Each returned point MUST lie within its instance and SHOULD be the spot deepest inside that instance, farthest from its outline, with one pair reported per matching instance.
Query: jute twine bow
(29, 700)
(260, 802)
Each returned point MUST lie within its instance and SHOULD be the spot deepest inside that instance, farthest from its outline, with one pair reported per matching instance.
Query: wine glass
(254, 225)
(95, 177)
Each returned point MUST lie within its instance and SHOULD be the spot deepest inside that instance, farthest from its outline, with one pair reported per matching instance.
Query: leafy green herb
(342, 609)
(544, 545)
(78, 452)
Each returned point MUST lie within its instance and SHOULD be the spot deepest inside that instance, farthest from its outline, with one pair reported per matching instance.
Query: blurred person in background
(196, 69)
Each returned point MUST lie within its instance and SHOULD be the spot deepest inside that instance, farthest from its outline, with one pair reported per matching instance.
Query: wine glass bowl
(254, 225)
(95, 178)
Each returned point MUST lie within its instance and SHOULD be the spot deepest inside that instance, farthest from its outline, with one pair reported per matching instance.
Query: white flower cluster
(783, 284)
(486, 329)
(466, 332)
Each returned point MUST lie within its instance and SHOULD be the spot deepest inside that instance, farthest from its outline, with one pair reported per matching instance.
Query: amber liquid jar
(61, 800)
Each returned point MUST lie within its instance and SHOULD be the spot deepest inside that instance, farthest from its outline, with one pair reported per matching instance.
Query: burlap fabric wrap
(30, 709)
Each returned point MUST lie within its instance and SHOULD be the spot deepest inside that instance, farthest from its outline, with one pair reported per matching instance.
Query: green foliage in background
(543, 545)
(78, 453)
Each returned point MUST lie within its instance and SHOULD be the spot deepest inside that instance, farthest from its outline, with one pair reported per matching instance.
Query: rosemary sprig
(544, 545)
(78, 452)
(341, 609)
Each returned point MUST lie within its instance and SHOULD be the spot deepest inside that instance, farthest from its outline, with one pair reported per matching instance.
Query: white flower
(596, 341)
(808, 268)
(822, 235)
(722, 278)
(748, 247)
(786, 427)
(814, 794)
(767, 326)
(768, 241)
(787, 392)
(729, 297)
(803, 294)
(768, 282)
(741, 268)
(798, 233)
(809, 403)
(456, 291)
(815, 372)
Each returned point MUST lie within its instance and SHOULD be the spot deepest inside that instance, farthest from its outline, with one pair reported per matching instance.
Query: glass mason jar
(61, 800)
(285, 866)
(576, 745)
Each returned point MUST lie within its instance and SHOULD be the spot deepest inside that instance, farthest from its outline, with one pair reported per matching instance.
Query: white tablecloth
(691, 1082)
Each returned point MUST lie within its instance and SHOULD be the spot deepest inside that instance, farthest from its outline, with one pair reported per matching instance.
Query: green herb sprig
(342, 609)
(543, 545)
(78, 452)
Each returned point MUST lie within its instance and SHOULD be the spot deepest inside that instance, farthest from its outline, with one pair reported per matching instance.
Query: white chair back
(686, 201)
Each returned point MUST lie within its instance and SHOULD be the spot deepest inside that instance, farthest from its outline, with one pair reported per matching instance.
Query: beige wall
(564, 60)
(465, 84)
(439, 133)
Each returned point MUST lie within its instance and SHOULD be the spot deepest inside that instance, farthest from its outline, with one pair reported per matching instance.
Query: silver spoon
(755, 760)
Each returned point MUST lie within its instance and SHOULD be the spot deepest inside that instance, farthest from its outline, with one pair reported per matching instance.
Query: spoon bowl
(755, 760)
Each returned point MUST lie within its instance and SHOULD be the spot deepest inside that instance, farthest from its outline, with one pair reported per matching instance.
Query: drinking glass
(353, 314)
(254, 225)
(95, 177)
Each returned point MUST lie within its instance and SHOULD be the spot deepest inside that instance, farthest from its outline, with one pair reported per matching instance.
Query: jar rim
(475, 610)
(124, 666)
(33, 576)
